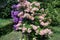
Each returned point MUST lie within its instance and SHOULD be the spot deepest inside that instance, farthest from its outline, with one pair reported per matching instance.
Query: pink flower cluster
(28, 13)
(42, 18)
(35, 27)
(45, 31)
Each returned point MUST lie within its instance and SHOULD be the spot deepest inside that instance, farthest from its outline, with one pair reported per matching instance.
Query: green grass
(11, 36)
(56, 33)
(4, 22)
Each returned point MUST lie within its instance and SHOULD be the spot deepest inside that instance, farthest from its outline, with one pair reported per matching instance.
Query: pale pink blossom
(42, 9)
(41, 17)
(49, 31)
(24, 29)
(40, 20)
(45, 31)
(27, 10)
(20, 14)
(37, 31)
(44, 24)
(35, 9)
(32, 18)
(42, 32)
(29, 30)
(18, 5)
(37, 4)
(34, 27)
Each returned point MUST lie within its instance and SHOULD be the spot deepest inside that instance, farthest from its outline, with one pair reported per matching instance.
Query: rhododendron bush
(35, 21)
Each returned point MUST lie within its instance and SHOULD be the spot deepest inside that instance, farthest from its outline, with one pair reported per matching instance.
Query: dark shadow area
(6, 30)
(38, 38)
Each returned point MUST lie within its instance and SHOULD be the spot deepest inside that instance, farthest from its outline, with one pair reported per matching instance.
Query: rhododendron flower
(45, 31)
(49, 31)
(37, 31)
(20, 14)
(27, 10)
(19, 5)
(44, 24)
(41, 17)
(42, 32)
(35, 9)
(37, 4)
(32, 18)
(34, 27)
(42, 9)
(24, 29)
(29, 30)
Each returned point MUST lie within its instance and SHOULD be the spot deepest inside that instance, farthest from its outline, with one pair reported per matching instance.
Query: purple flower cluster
(14, 15)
